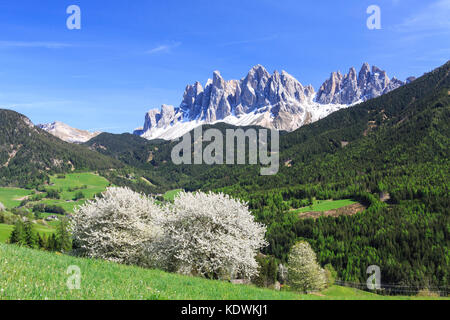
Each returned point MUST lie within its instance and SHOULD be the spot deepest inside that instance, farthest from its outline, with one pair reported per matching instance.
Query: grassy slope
(30, 274)
(5, 231)
(10, 196)
(170, 195)
(322, 206)
(94, 183)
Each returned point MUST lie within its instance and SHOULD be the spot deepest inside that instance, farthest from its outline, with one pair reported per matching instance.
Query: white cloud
(166, 48)
(36, 104)
(34, 44)
(434, 18)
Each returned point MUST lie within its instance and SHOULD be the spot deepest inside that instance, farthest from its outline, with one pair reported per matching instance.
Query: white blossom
(304, 273)
(117, 227)
(211, 235)
(2, 207)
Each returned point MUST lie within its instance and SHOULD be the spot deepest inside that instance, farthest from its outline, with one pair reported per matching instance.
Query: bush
(37, 197)
(39, 208)
(304, 273)
(52, 194)
(2, 207)
(267, 271)
(330, 274)
(211, 235)
(119, 227)
(55, 209)
(7, 218)
(78, 196)
(427, 293)
(20, 212)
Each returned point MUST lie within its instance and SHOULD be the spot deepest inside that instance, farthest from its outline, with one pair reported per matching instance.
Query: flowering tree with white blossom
(118, 227)
(211, 235)
(304, 273)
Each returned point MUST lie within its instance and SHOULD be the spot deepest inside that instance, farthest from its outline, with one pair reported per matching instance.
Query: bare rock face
(277, 101)
(349, 89)
(161, 118)
(67, 133)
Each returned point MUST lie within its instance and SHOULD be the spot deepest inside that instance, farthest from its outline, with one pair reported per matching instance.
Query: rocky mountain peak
(276, 101)
(67, 133)
(347, 89)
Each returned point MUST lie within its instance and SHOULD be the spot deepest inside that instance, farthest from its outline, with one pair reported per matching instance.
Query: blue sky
(132, 56)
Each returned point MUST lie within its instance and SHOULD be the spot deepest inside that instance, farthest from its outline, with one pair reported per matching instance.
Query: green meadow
(326, 205)
(6, 229)
(170, 195)
(11, 197)
(37, 275)
(5, 232)
(89, 184)
(68, 186)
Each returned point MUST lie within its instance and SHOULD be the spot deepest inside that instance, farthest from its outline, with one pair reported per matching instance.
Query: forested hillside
(28, 154)
(397, 145)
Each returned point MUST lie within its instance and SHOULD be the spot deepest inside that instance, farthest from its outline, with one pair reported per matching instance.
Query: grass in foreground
(35, 275)
(326, 205)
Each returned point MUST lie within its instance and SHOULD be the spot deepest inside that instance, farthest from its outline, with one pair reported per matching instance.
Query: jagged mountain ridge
(276, 101)
(352, 88)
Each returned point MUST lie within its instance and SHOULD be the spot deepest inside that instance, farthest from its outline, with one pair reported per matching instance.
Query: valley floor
(35, 275)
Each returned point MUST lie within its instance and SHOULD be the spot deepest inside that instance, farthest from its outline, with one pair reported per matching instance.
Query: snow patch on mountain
(276, 101)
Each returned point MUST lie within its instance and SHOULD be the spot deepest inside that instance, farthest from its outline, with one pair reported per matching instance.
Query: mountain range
(275, 100)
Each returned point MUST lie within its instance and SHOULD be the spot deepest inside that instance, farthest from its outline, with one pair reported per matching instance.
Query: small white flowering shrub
(118, 227)
(304, 273)
(2, 207)
(211, 235)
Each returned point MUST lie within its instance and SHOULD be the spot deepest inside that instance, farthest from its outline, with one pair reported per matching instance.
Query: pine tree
(42, 241)
(30, 235)
(18, 234)
(63, 239)
(51, 243)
